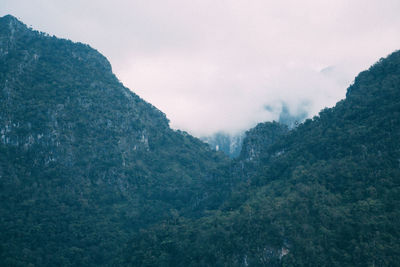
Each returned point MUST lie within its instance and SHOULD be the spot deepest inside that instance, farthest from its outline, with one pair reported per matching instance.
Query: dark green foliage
(84, 162)
(259, 139)
(91, 175)
(325, 194)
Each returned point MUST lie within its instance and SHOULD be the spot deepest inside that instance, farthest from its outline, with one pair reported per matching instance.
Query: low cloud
(215, 65)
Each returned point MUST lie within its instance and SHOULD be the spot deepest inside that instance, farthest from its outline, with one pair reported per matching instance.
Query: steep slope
(259, 139)
(84, 162)
(231, 145)
(327, 194)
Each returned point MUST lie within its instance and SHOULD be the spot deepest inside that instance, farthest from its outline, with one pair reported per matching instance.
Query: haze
(216, 65)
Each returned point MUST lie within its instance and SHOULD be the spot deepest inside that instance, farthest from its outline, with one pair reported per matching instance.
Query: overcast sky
(214, 65)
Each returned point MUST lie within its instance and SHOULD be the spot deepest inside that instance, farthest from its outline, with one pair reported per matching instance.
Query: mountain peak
(12, 22)
(9, 17)
(64, 111)
(14, 36)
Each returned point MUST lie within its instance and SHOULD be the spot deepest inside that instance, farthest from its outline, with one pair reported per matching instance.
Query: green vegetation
(85, 162)
(325, 194)
(92, 175)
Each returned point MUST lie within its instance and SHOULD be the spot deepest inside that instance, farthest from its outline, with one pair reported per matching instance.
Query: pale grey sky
(213, 65)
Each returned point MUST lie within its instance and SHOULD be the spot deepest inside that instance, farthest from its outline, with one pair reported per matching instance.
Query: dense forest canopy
(91, 174)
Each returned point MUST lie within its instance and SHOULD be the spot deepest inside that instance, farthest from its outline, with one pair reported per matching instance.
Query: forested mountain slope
(92, 175)
(84, 162)
(325, 194)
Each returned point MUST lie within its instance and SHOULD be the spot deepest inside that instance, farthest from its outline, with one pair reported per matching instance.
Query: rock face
(83, 160)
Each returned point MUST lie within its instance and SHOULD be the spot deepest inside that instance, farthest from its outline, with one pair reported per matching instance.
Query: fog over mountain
(214, 66)
(91, 174)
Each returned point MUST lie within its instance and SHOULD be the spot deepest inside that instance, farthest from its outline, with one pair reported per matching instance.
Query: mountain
(92, 175)
(231, 145)
(259, 139)
(85, 162)
(326, 193)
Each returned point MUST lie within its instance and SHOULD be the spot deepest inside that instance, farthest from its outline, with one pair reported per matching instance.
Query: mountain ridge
(80, 151)
(324, 195)
(91, 174)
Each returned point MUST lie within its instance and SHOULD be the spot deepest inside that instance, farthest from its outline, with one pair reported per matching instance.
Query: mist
(223, 66)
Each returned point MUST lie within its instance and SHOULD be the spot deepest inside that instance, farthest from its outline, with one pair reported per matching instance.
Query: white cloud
(215, 65)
